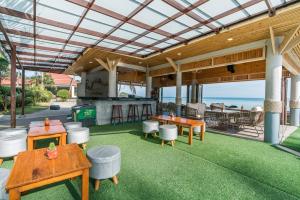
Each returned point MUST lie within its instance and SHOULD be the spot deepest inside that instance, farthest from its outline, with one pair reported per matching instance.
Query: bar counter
(104, 106)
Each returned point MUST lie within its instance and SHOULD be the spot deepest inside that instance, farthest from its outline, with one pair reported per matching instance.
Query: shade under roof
(64, 29)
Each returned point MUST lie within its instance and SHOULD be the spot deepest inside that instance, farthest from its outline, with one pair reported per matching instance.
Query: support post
(161, 94)
(178, 91)
(194, 85)
(188, 94)
(112, 82)
(295, 100)
(148, 84)
(273, 104)
(23, 91)
(13, 88)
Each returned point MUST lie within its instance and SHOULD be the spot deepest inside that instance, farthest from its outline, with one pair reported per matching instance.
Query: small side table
(45, 132)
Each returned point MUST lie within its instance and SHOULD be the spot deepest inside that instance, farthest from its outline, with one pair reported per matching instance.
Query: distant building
(63, 81)
(6, 82)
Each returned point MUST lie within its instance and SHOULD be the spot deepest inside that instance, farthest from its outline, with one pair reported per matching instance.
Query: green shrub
(63, 94)
(38, 94)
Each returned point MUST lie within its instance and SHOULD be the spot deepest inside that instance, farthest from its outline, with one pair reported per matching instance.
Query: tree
(3, 67)
(4, 94)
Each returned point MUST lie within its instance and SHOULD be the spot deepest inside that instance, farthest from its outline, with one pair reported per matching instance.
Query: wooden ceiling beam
(292, 44)
(288, 39)
(290, 64)
(272, 35)
(103, 64)
(172, 63)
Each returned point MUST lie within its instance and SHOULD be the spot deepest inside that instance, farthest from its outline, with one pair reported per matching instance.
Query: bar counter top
(117, 98)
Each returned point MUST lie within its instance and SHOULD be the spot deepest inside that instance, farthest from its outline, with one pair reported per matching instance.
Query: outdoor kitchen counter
(104, 106)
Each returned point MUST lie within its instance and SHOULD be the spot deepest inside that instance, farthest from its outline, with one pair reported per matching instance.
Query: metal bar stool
(116, 114)
(133, 113)
(146, 111)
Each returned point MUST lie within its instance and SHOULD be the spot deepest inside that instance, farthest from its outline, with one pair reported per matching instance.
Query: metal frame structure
(62, 57)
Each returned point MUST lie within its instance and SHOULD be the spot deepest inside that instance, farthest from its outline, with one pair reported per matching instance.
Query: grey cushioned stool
(106, 163)
(12, 141)
(150, 127)
(70, 125)
(4, 173)
(78, 136)
(168, 133)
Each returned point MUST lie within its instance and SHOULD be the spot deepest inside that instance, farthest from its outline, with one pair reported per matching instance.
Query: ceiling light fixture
(230, 39)
(90, 62)
(179, 54)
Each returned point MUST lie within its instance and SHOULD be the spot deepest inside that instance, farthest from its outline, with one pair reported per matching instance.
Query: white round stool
(70, 125)
(150, 127)
(168, 133)
(78, 136)
(4, 173)
(197, 129)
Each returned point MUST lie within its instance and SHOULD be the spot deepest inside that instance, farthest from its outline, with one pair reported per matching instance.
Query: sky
(245, 89)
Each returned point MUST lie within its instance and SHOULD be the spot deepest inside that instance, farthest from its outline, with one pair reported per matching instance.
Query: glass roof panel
(214, 8)
(107, 45)
(145, 40)
(162, 7)
(127, 49)
(124, 7)
(132, 46)
(155, 36)
(81, 37)
(143, 52)
(92, 15)
(112, 41)
(243, 1)
(172, 27)
(25, 6)
(63, 60)
(257, 8)
(74, 48)
(132, 28)
(52, 33)
(187, 20)
(190, 34)
(49, 44)
(162, 45)
(16, 23)
(49, 12)
(146, 14)
(172, 41)
(276, 2)
(88, 24)
(45, 26)
(20, 39)
(123, 34)
(233, 18)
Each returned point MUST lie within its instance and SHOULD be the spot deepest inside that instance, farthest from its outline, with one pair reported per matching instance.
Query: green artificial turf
(293, 141)
(221, 167)
(27, 109)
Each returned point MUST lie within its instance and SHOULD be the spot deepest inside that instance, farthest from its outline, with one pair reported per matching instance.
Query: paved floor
(23, 121)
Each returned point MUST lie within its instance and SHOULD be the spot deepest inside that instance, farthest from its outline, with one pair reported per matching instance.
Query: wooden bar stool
(116, 114)
(133, 113)
(146, 111)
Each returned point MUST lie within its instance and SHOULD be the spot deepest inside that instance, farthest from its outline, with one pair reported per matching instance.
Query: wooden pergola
(157, 43)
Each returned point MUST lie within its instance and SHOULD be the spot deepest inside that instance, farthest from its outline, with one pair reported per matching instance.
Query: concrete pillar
(273, 104)
(81, 90)
(194, 89)
(23, 92)
(178, 92)
(112, 83)
(148, 84)
(295, 100)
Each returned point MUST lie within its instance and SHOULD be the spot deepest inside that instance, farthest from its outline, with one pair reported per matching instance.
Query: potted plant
(47, 122)
(51, 151)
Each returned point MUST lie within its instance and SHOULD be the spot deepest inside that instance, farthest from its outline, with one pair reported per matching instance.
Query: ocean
(247, 103)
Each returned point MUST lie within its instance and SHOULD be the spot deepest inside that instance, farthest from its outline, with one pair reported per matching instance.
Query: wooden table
(44, 132)
(33, 170)
(183, 122)
(52, 122)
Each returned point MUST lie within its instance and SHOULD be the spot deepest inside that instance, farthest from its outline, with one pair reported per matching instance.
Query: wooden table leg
(202, 133)
(190, 135)
(1, 161)
(85, 185)
(14, 194)
(63, 139)
(29, 144)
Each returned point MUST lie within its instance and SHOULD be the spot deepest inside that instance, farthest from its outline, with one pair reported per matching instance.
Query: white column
(178, 91)
(194, 84)
(148, 84)
(81, 90)
(273, 104)
(295, 100)
(112, 83)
